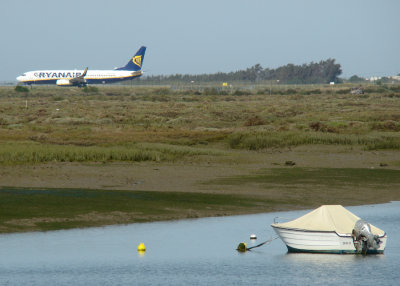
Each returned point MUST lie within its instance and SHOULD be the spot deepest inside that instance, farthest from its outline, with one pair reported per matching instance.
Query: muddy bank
(188, 176)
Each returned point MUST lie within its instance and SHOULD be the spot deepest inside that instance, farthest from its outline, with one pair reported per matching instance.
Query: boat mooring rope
(242, 247)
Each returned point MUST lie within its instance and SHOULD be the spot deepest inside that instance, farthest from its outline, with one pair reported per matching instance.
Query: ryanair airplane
(79, 78)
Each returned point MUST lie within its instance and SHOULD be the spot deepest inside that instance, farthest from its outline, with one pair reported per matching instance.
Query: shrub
(239, 92)
(319, 126)
(315, 91)
(210, 91)
(90, 89)
(3, 122)
(20, 88)
(290, 91)
(162, 91)
(395, 88)
(254, 121)
(58, 98)
(388, 125)
(343, 91)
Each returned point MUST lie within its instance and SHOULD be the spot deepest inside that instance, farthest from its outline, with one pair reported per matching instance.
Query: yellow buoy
(141, 247)
(242, 247)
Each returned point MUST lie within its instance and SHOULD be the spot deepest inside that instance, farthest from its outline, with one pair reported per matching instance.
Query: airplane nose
(19, 78)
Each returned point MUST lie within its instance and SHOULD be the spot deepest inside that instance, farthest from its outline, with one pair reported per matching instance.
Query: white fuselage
(63, 76)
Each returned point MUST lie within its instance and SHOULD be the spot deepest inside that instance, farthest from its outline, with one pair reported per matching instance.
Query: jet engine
(63, 82)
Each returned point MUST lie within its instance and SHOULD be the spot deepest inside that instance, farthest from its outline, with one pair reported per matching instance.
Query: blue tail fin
(135, 64)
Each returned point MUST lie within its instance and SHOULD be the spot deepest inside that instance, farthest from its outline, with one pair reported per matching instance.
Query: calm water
(193, 252)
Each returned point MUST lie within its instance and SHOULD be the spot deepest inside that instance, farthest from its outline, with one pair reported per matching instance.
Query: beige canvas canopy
(327, 218)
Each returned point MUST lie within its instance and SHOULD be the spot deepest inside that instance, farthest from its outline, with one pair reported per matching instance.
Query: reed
(265, 140)
(28, 152)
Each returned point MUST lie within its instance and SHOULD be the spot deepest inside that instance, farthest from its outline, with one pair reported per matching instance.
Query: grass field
(205, 143)
(114, 116)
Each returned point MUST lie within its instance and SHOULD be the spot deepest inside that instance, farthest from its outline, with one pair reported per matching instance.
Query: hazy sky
(206, 36)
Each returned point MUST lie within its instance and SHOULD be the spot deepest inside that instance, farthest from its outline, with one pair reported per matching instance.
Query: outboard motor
(363, 237)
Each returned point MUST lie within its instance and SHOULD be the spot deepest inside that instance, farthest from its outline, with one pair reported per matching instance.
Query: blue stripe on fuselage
(109, 80)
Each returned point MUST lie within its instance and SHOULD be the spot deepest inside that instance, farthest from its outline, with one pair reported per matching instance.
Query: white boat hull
(321, 241)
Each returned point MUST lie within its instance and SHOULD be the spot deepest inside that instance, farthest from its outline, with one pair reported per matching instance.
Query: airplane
(80, 78)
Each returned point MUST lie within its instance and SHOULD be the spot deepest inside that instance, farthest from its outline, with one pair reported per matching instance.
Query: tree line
(323, 72)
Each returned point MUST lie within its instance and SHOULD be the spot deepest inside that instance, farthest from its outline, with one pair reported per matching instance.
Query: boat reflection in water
(331, 229)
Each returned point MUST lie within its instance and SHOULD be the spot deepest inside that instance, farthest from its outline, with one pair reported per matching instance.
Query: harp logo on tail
(137, 60)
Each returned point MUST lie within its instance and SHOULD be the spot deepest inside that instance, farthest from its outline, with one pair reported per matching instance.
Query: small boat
(331, 229)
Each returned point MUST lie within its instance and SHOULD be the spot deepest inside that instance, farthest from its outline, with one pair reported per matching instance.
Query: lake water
(193, 252)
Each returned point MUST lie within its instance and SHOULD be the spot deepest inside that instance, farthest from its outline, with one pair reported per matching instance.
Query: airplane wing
(79, 80)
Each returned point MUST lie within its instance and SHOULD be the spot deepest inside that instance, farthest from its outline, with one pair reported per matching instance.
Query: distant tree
(322, 72)
(356, 79)
(385, 79)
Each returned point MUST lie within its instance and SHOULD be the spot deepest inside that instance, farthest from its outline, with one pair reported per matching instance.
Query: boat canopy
(327, 218)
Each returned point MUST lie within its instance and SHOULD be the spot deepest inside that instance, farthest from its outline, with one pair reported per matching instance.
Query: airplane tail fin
(135, 64)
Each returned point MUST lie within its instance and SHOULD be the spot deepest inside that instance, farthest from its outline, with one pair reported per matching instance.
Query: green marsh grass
(19, 153)
(327, 177)
(316, 186)
(265, 140)
(49, 209)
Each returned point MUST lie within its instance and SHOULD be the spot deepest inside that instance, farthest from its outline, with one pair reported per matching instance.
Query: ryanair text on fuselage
(55, 74)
